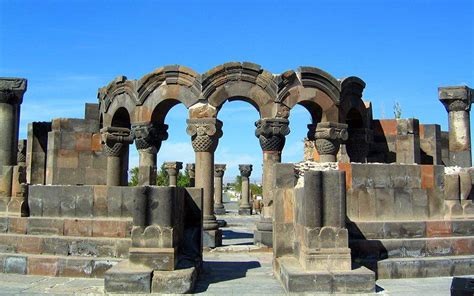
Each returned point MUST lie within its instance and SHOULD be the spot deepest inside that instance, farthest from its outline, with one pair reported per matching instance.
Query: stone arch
(240, 81)
(120, 93)
(121, 118)
(308, 86)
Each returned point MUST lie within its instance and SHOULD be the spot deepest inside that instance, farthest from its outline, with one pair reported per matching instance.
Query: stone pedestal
(328, 138)
(457, 101)
(191, 169)
(271, 134)
(148, 138)
(11, 97)
(245, 208)
(219, 170)
(205, 134)
(115, 141)
(172, 169)
(408, 141)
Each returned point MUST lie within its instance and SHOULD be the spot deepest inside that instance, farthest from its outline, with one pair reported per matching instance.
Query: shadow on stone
(215, 272)
(230, 234)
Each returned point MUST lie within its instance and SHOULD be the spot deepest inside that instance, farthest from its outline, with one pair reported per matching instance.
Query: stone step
(411, 248)
(60, 266)
(425, 267)
(410, 229)
(85, 227)
(64, 245)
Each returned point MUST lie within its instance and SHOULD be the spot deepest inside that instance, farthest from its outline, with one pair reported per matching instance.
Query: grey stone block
(420, 204)
(403, 203)
(263, 238)
(179, 281)
(212, 238)
(384, 203)
(451, 187)
(284, 175)
(15, 264)
(45, 226)
(3, 224)
(114, 201)
(125, 277)
(55, 246)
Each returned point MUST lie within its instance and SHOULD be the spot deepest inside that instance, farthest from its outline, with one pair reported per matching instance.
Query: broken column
(219, 170)
(11, 97)
(328, 138)
(148, 138)
(271, 133)
(205, 134)
(457, 101)
(245, 208)
(407, 143)
(190, 168)
(114, 141)
(172, 169)
(18, 204)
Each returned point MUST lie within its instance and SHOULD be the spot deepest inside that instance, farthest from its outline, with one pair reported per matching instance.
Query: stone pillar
(18, 204)
(358, 144)
(191, 169)
(457, 101)
(11, 97)
(271, 134)
(407, 143)
(114, 140)
(172, 168)
(245, 208)
(219, 170)
(148, 139)
(205, 134)
(328, 138)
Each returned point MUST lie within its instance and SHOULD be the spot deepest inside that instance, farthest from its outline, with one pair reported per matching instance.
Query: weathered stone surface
(179, 281)
(126, 277)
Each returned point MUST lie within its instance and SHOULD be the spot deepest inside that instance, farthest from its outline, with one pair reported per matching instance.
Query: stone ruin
(373, 198)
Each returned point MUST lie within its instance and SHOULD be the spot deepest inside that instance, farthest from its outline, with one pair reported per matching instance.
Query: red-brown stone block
(427, 176)
(30, 244)
(46, 266)
(463, 246)
(346, 167)
(17, 225)
(96, 144)
(438, 228)
(100, 201)
(78, 227)
(107, 228)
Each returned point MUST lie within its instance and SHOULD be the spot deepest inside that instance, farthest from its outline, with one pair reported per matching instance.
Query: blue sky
(403, 50)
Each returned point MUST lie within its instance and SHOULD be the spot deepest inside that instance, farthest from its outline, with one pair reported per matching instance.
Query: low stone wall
(380, 192)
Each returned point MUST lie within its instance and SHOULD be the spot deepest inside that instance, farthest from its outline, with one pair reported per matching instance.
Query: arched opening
(297, 146)
(121, 118)
(239, 115)
(354, 119)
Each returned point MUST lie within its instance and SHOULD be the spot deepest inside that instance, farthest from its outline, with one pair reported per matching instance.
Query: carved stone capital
(114, 139)
(149, 136)
(456, 98)
(329, 137)
(21, 155)
(173, 167)
(205, 133)
(219, 170)
(271, 133)
(12, 90)
(245, 170)
(191, 169)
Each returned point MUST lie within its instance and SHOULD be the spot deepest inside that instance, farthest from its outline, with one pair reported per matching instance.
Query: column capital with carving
(149, 136)
(205, 133)
(12, 90)
(173, 167)
(114, 139)
(271, 133)
(191, 169)
(219, 170)
(245, 170)
(329, 136)
(456, 98)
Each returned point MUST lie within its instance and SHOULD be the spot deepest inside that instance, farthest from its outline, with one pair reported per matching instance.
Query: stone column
(328, 138)
(245, 208)
(271, 134)
(219, 170)
(172, 168)
(114, 140)
(148, 138)
(18, 204)
(11, 97)
(457, 101)
(191, 169)
(205, 134)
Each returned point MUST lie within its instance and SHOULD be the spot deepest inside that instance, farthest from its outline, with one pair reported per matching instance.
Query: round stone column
(148, 138)
(457, 101)
(245, 208)
(219, 170)
(205, 134)
(328, 138)
(271, 133)
(114, 141)
(191, 169)
(172, 168)
(11, 97)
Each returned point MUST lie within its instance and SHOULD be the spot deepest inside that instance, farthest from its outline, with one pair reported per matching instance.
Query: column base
(219, 209)
(212, 238)
(245, 212)
(263, 236)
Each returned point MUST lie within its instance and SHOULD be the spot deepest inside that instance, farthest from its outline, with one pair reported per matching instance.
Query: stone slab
(128, 278)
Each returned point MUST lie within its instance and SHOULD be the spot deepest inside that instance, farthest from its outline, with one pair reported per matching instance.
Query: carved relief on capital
(329, 136)
(271, 133)
(12, 90)
(191, 169)
(173, 167)
(114, 140)
(149, 136)
(457, 105)
(456, 98)
(205, 133)
(245, 170)
(219, 170)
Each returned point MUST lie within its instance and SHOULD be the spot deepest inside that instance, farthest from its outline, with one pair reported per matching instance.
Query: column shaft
(114, 168)
(146, 168)
(460, 138)
(205, 180)
(269, 159)
(8, 133)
